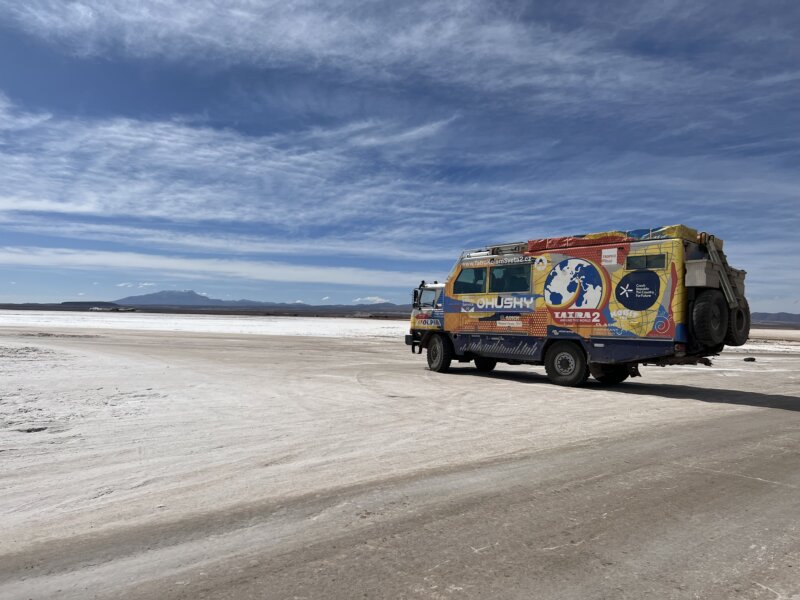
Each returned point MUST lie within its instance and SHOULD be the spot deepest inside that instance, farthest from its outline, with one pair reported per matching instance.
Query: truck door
(429, 315)
(468, 304)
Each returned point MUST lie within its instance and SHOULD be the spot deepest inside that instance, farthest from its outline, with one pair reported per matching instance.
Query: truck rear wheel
(565, 364)
(609, 374)
(738, 324)
(710, 317)
(484, 365)
(440, 353)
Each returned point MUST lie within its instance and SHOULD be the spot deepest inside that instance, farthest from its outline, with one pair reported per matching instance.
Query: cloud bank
(373, 140)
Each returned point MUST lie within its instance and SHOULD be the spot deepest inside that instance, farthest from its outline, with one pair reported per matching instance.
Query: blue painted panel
(605, 350)
(530, 348)
(511, 347)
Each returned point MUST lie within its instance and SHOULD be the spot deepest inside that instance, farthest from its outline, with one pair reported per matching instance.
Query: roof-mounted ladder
(722, 265)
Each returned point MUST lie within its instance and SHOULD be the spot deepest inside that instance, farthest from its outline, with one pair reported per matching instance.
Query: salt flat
(145, 457)
(235, 324)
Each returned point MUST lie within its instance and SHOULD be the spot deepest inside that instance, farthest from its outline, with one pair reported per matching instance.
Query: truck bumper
(415, 342)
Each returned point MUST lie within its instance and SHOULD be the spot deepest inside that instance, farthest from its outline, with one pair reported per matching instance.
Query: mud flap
(633, 370)
(416, 345)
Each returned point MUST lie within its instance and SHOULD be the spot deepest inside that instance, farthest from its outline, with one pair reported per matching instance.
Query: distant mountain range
(777, 318)
(190, 298)
(189, 301)
(183, 298)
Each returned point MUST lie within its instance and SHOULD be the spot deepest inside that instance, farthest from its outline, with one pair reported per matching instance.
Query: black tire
(565, 364)
(609, 374)
(738, 324)
(440, 353)
(484, 365)
(710, 317)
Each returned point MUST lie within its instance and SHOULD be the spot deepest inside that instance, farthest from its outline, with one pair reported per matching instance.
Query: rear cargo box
(701, 273)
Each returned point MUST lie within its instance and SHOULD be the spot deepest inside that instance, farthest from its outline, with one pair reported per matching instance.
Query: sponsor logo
(509, 321)
(574, 291)
(574, 283)
(639, 290)
(578, 316)
(609, 256)
(499, 303)
(502, 348)
(429, 323)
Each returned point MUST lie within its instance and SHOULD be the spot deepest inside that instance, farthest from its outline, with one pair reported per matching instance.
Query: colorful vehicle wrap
(593, 291)
(624, 297)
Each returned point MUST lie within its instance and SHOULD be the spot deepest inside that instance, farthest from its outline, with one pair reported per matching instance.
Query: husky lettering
(500, 303)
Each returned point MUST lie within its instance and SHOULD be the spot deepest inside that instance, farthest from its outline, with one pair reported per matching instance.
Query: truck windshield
(428, 298)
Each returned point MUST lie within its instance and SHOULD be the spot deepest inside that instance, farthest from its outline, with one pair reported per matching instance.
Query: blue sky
(328, 152)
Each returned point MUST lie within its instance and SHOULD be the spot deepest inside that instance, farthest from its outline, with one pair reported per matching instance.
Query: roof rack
(494, 250)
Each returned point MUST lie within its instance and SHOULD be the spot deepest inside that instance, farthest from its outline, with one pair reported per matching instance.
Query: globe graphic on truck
(574, 283)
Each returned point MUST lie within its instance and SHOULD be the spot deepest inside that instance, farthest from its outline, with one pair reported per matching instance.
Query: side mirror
(415, 299)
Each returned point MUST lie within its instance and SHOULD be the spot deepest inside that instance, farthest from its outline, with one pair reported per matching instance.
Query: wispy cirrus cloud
(176, 171)
(582, 57)
(184, 173)
(492, 45)
(392, 246)
(201, 268)
(308, 190)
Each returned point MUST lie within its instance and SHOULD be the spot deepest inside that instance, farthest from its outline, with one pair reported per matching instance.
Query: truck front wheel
(440, 353)
(565, 364)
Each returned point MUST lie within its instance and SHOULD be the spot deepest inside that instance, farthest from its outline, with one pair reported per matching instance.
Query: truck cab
(427, 314)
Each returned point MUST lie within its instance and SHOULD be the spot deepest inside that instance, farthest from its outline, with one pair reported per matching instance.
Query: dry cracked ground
(174, 465)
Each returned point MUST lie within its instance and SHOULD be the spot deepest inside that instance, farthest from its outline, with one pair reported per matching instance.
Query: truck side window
(470, 281)
(510, 279)
(646, 261)
(633, 263)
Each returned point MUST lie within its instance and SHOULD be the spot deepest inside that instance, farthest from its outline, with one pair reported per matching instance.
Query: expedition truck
(599, 304)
